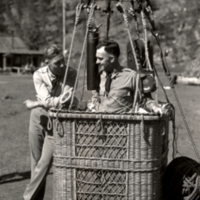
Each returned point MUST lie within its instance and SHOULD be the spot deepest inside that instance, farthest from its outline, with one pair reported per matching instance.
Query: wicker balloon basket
(108, 156)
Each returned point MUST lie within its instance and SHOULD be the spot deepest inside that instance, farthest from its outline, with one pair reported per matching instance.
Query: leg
(41, 171)
(36, 137)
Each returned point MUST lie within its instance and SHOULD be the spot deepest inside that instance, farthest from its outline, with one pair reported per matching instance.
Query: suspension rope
(91, 13)
(147, 51)
(158, 78)
(145, 39)
(133, 14)
(167, 73)
(122, 10)
(78, 12)
(186, 124)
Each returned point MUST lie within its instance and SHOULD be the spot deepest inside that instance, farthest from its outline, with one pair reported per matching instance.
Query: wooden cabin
(15, 55)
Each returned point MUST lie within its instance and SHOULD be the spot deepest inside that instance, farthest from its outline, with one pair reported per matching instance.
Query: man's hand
(32, 104)
(158, 110)
(166, 109)
(91, 107)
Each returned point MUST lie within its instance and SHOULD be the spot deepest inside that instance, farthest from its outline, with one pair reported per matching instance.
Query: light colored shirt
(48, 86)
(121, 95)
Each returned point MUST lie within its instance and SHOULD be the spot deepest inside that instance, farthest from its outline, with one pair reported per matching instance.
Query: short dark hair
(111, 47)
(51, 51)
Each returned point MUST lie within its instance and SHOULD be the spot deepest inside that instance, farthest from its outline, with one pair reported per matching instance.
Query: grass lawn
(14, 120)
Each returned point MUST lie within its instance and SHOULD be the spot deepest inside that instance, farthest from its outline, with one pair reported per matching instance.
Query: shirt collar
(51, 75)
(115, 73)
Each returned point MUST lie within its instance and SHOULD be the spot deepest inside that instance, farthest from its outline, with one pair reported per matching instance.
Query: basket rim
(59, 113)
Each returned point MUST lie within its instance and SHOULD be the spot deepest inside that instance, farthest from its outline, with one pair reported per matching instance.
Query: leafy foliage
(39, 22)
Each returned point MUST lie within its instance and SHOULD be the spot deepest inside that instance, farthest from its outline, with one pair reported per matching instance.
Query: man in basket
(118, 85)
(48, 82)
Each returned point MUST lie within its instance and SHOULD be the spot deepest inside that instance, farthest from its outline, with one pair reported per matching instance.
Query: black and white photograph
(99, 100)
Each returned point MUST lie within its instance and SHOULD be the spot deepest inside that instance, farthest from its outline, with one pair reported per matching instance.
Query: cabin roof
(15, 45)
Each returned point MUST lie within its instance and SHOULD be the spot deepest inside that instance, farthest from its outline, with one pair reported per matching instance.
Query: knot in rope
(122, 10)
(49, 123)
(91, 13)
(58, 123)
(78, 11)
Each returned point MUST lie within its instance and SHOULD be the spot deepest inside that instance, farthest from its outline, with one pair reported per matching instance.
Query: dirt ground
(14, 120)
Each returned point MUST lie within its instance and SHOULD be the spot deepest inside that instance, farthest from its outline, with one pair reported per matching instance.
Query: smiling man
(117, 85)
(48, 82)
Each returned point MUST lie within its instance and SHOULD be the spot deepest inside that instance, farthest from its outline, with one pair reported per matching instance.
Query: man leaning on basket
(118, 85)
(48, 85)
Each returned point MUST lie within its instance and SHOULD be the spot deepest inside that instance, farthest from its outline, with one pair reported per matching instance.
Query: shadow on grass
(14, 177)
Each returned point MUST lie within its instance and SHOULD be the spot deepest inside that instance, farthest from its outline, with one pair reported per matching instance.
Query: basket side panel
(64, 145)
(105, 159)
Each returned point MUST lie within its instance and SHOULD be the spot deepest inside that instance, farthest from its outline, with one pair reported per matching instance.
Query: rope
(186, 125)
(78, 12)
(84, 84)
(142, 127)
(133, 14)
(167, 73)
(147, 51)
(49, 123)
(145, 39)
(158, 78)
(174, 142)
(131, 11)
(135, 96)
(61, 133)
(125, 16)
(93, 5)
(120, 103)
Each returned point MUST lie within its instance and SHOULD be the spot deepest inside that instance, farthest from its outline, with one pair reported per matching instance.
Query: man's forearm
(33, 104)
(39, 104)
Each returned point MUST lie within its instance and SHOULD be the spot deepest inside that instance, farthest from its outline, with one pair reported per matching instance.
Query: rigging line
(161, 85)
(91, 13)
(64, 22)
(84, 84)
(145, 39)
(186, 124)
(120, 103)
(78, 12)
(144, 23)
(122, 10)
(153, 28)
(167, 73)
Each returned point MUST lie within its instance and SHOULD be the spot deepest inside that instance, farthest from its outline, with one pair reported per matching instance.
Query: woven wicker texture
(101, 156)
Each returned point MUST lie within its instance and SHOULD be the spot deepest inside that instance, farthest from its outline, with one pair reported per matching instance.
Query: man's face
(103, 60)
(57, 65)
